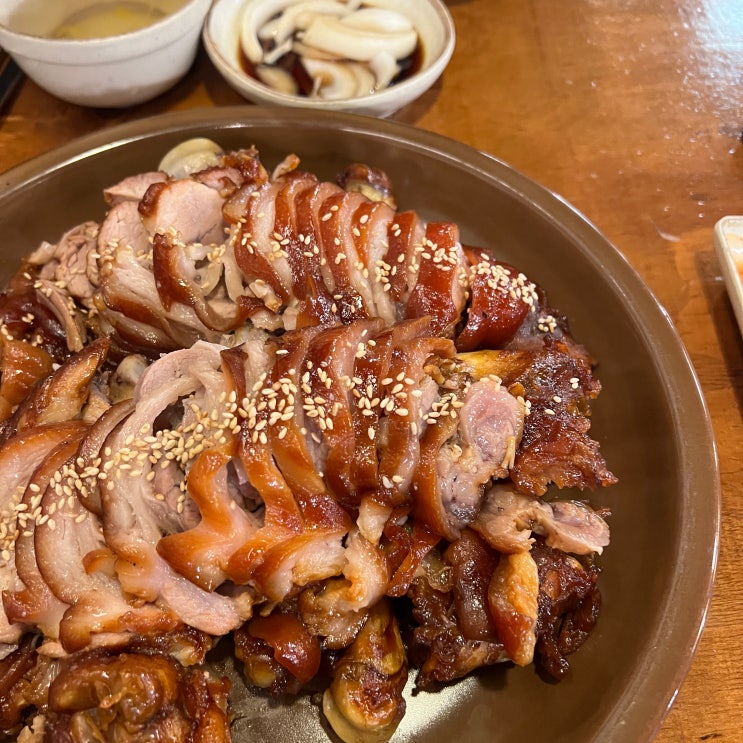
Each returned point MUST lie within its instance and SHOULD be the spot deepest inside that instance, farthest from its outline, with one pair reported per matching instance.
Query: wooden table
(633, 111)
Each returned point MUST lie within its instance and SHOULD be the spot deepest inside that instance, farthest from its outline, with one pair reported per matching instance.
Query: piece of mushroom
(330, 38)
(273, 56)
(278, 20)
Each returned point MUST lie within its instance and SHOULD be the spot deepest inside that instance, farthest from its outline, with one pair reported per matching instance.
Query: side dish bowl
(651, 418)
(111, 71)
(430, 18)
(728, 241)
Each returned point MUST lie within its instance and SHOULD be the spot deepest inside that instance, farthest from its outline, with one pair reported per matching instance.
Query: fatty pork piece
(25, 677)
(364, 702)
(507, 520)
(349, 421)
(43, 430)
(136, 697)
(278, 652)
(22, 365)
(555, 375)
(144, 497)
(473, 606)
(42, 314)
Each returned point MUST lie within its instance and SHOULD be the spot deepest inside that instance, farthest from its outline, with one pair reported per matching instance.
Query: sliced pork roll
(199, 256)
(144, 499)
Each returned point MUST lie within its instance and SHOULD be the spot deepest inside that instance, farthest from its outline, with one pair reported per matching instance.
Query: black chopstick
(10, 77)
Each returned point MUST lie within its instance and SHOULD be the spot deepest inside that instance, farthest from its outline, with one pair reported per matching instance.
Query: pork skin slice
(20, 457)
(132, 522)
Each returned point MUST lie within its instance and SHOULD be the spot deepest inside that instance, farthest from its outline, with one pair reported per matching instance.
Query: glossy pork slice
(42, 313)
(121, 227)
(350, 287)
(201, 552)
(300, 538)
(131, 310)
(134, 518)
(181, 277)
(62, 395)
(20, 457)
(89, 455)
(34, 603)
(133, 187)
(232, 244)
(78, 567)
(22, 365)
(440, 291)
(289, 236)
(187, 208)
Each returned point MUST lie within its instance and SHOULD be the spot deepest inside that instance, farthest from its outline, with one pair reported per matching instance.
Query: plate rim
(644, 719)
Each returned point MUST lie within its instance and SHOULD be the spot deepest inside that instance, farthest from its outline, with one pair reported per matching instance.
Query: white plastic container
(728, 240)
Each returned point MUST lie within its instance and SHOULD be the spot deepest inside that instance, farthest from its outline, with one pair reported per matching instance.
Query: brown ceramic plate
(650, 418)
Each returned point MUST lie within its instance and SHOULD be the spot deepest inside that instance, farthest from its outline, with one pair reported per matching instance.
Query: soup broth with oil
(89, 20)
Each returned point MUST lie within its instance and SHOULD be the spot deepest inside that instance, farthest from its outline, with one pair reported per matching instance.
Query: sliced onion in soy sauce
(291, 63)
(300, 63)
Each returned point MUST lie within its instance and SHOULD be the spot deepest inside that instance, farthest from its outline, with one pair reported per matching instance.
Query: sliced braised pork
(278, 407)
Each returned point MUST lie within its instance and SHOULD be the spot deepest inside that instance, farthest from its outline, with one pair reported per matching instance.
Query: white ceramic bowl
(109, 72)
(430, 18)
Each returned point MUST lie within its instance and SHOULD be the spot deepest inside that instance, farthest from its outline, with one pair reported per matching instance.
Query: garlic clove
(190, 156)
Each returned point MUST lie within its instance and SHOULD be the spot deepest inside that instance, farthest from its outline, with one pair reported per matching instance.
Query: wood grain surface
(632, 110)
